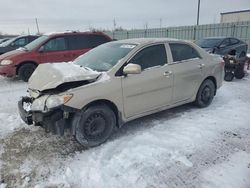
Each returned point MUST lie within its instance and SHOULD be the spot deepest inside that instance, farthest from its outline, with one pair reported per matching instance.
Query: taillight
(222, 62)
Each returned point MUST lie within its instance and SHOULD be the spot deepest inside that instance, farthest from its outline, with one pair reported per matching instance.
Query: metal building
(235, 16)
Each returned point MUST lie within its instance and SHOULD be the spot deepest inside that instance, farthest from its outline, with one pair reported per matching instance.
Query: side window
(233, 41)
(55, 44)
(96, 40)
(182, 52)
(226, 42)
(20, 42)
(77, 42)
(150, 57)
(31, 38)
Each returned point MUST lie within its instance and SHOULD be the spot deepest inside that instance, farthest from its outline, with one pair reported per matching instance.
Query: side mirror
(132, 69)
(41, 49)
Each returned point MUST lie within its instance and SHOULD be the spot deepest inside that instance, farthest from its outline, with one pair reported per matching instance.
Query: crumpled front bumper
(54, 121)
(26, 116)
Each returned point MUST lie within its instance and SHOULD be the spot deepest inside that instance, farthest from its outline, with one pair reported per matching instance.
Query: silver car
(118, 82)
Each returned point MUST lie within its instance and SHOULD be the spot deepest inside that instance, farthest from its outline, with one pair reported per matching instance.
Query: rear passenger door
(78, 45)
(225, 47)
(187, 68)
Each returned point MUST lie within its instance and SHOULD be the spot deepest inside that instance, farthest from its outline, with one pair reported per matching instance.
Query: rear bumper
(7, 70)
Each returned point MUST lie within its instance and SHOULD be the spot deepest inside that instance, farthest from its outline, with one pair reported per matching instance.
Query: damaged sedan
(118, 82)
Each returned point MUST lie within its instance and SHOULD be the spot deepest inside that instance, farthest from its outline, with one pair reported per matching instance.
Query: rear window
(182, 52)
(208, 43)
(234, 41)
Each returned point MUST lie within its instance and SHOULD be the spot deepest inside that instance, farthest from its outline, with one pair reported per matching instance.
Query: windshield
(7, 43)
(104, 57)
(208, 43)
(35, 43)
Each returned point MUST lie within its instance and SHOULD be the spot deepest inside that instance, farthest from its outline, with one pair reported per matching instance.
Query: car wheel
(229, 76)
(95, 125)
(239, 72)
(205, 94)
(25, 71)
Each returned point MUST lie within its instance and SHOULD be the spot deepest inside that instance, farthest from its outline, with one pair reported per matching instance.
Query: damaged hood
(51, 75)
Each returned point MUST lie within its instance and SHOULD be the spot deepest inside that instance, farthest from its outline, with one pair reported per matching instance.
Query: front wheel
(25, 71)
(205, 94)
(95, 125)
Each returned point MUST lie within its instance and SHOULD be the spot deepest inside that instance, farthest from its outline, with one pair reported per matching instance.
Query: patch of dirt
(31, 155)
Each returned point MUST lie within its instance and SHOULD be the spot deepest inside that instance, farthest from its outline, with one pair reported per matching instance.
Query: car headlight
(39, 103)
(57, 100)
(6, 62)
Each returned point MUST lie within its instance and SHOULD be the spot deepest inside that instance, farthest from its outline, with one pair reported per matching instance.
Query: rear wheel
(239, 72)
(95, 125)
(25, 71)
(229, 76)
(205, 94)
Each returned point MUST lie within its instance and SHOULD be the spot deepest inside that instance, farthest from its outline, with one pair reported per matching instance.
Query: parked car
(224, 46)
(17, 42)
(3, 40)
(118, 82)
(53, 47)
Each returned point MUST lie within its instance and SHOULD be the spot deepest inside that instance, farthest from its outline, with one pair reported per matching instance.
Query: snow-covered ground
(181, 147)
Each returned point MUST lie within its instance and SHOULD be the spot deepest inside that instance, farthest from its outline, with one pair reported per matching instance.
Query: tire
(229, 76)
(95, 125)
(25, 71)
(205, 94)
(239, 72)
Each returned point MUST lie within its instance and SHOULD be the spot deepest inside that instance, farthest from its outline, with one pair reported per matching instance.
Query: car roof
(140, 41)
(73, 32)
(217, 37)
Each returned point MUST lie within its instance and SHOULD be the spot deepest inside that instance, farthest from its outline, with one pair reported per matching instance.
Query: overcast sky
(18, 16)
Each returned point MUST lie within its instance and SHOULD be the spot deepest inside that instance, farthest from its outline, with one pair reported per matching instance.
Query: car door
(78, 45)
(187, 68)
(54, 50)
(225, 47)
(152, 88)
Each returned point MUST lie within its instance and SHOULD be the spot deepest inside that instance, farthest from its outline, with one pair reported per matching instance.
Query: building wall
(235, 17)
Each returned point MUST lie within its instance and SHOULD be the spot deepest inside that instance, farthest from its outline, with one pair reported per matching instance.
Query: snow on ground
(235, 172)
(181, 147)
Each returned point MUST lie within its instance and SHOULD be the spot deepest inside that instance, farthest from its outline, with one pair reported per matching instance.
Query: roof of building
(233, 12)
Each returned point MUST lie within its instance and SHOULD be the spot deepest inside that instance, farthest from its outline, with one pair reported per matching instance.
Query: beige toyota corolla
(118, 82)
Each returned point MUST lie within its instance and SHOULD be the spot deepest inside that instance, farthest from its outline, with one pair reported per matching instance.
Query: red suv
(55, 47)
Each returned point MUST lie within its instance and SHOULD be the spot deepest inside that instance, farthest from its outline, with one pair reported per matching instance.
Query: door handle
(167, 73)
(201, 65)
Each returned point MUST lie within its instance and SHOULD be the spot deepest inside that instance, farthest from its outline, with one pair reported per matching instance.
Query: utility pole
(114, 23)
(198, 13)
(38, 32)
